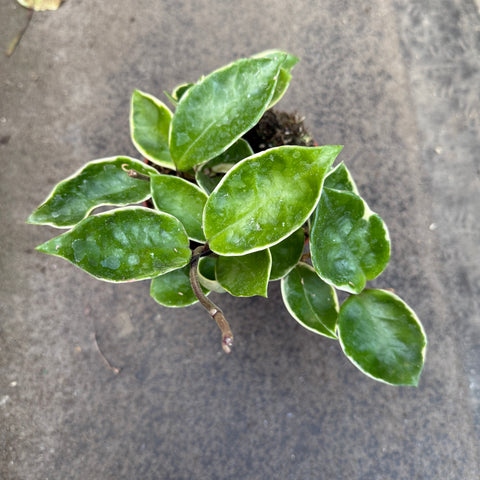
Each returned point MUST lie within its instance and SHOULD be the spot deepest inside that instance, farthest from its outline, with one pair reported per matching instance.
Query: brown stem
(214, 311)
(134, 173)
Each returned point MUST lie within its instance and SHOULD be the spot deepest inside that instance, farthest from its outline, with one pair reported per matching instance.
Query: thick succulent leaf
(340, 179)
(100, 182)
(183, 200)
(246, 275)
(150, 121)
(208, 175)
(286, 254)
(206, 274)
(383, 337)
(284, 76)
(310, 301)
(127, 244)
(265, 198)
(220, 108)
(173, 289)
(348, 242)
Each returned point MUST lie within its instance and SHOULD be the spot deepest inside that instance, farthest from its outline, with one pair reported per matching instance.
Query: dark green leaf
(310, 301)
(340, 179)
(131, 243)
(101, 182)
(245, 275)
(383, 337)
(183, 200)
(286, 254)
(348, 242)
(206, 274)
(220, 108)
(265, 198)
(173, 289)
(208, 176)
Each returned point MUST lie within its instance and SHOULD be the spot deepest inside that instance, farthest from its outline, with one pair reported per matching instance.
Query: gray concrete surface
(397, 83)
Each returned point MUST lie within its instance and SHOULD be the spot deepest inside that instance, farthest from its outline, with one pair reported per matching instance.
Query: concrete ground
(397, 83)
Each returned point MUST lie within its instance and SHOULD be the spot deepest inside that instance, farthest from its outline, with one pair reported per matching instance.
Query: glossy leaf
(220, 108)
(208, 176)
(183, 200)
(245, 275)
(310, 301)
(127, 244)
(348, 242)
(150, 123)
(284, 76)
(340, 179)
(173, 289)
(265, 198)
(206, 274)
(383, 337)
(286, 254)
(100, 182)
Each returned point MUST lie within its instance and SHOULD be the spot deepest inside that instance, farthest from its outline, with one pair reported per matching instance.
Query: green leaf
(208, 176)
(206, 274)
(265, 198)
(286, 254)
(284, 76)
(220, 108)
(127, 244)
(183, 200)
(100, 182)
(310, 301)
(340, 179)
(173, 289)
(150, 123)
(348, 242)
(245, 275)
(383, 337)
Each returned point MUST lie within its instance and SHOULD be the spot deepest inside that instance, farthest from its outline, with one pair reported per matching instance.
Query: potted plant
(218, 216)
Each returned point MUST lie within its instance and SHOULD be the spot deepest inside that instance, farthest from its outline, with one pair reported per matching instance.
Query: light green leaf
(348, 242)
(127, 244)
(220, 108)
(265, 198)
(310, 301)
(383, 337)
(100, 182)
(183, 200)
(246, 275)
(173, 289)
(286, 254)
(150, 123)
(206, 274)
(284, 76)
(340, 179)
(208, 175)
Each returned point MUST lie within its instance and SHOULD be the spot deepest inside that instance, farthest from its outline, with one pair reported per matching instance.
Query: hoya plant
(203, 212)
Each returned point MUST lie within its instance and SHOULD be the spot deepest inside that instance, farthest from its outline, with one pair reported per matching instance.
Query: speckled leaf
(340, 179)
(310, 301)
(127, 244)
(150, 123)
(208, 176)
(173, 289)
(348, 242)
(206, 274)
(284, 76)
(383, 337)
(265, 198)
(286, 254)
(220, 108)
(183, 200)
(101, 182)
(246, 275)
